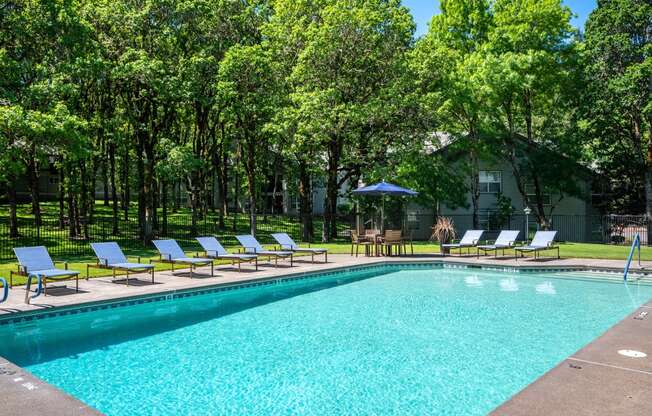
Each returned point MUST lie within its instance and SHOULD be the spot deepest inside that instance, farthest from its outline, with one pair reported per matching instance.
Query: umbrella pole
(382, 214)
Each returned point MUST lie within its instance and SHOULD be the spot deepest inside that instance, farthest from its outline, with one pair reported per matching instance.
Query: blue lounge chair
(170, 252)
(252, 246)
(470, 239)
(214, 250)
(505, 240)
(110, 256)
(36, 261)
(287, 243)
(543, 240)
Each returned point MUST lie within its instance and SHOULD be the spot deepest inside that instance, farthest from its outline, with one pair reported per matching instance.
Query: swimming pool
(383, 340)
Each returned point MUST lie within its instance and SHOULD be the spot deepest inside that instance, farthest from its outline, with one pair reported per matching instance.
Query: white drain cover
(632, 353)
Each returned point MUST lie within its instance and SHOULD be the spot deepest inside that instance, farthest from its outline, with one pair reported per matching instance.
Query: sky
(423, 10)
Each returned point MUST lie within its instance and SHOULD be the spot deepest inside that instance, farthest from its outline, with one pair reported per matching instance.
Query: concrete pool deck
(596, 380)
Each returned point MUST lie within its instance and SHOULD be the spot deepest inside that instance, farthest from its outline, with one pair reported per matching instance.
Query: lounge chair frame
(294, 247)
(193, 264)
(22, 271)
(496, 246)
(550, 245)
(234, 258)
(536, 250)
(99, 265)
(265, 253)
(459, 246)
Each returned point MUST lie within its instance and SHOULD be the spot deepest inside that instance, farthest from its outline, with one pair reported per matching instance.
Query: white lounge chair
(505, 240)
(36, 261)
(214, 250)
(110, 256)
(170, 252)
(287, 243)
(470, 239)
(543, 240)
(252, 246)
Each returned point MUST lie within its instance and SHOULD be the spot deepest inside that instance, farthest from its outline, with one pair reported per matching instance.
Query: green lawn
(568, 250)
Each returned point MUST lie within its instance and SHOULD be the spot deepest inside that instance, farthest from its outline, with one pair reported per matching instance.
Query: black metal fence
(179, 227)
(606, 229)
(600, 229)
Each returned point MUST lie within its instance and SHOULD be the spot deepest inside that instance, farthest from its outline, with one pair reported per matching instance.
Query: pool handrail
(39, 287)
(635, 244)
(5, 290)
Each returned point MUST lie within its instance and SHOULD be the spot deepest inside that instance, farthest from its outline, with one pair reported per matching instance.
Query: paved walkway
(594, 381)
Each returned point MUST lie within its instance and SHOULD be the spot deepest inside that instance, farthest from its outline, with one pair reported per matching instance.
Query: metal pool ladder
(636, 244)
(5, 290)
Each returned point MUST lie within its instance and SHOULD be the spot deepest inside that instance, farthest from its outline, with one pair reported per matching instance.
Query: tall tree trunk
(90, 197)
(62, 197)
(140, 166)
(475, 188)
(114, 194)
(33, 180)
(222, 179)
(330, 204)
(155, 198)
(83, 199)
(105, 181)
(250, 166)
(126, 189)
(164, 203)
(236, 190)
(305, 202)
(13, 216)
(148, 191)
(72, 218)
(194, 208)
(177, 196)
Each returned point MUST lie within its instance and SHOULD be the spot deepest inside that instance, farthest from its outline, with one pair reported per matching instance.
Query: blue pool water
(386, 341)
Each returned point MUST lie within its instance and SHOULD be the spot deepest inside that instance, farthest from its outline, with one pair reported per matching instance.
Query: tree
(38, 41)
(286, 37)
(445, 61)
(351, 53)
(247, 90)
(618, 97)
(531, 76)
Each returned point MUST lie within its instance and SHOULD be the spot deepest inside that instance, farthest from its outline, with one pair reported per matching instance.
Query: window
(531, 195)
(54, 180)
(491, 181)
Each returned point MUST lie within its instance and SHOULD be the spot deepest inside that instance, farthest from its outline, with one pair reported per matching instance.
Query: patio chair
(357, 241)
(506, 239)
(287, 243)
(543, 240)
(36, 261)
(214, 250)
(110, 256)
(170, 252)
(252, 246)
(470, 239)
(390, 240)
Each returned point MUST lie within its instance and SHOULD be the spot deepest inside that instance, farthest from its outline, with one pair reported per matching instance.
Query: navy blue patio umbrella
(381, 189)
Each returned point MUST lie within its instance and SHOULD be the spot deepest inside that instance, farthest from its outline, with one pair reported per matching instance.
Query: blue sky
(424, 9)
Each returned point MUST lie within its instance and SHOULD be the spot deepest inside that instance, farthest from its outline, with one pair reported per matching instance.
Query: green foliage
(159, 95)
(617, 103)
